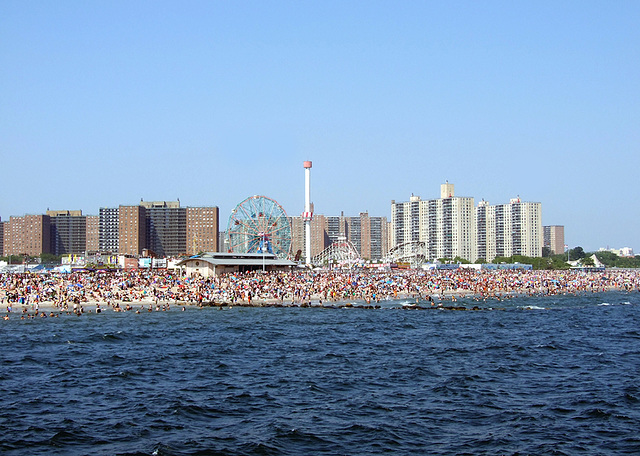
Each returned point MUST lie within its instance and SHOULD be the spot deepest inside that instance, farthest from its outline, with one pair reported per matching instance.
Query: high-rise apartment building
(319, 237)
(509, 229)
(369, 235)
(132, 230)
(162, 227)
(108, 230)
(353, 232)
(318, 234)
(297, 236)
(335, 228)
(93, 233)
(166, 227)
(446, 225)
(68, 232)
(406, 220)
(29, 234)
(486, 226)
(202, 230)
(223, 242)
(526, 228)
(554, 238)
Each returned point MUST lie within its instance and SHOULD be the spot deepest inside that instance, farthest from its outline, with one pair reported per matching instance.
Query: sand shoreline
(140, 292)
(447, 298)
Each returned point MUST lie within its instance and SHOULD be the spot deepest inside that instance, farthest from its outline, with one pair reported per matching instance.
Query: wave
(273, 381)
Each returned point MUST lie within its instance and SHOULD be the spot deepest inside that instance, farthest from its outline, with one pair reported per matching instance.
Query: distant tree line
(611, 260)
(560, 261)
(45, 258)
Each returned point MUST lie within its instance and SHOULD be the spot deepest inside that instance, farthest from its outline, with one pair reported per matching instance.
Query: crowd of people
(133, 290)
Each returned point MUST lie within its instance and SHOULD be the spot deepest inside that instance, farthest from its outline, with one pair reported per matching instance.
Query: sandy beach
(28, 294)
(163, 290)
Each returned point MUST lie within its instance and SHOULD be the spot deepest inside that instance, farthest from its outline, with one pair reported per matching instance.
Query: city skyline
(109, 103)
(223, 222)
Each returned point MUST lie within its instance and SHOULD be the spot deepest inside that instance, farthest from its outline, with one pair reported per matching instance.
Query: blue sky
(106, 102)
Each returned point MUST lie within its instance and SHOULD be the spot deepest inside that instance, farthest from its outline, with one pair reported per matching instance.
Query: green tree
(461, 260)
(559, 262)
(50, 258)
(555, 262)
(501, 259)
(576, 253)
(14, 259)
(609, 259)
(628, 262)
(541, 263)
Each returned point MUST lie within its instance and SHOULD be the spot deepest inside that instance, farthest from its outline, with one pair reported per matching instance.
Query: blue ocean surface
(543, 376)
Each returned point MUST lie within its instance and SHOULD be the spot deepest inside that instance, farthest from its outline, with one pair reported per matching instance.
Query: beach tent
(65, 269)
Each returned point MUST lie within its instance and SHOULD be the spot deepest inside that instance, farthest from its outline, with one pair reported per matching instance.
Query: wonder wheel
(259, 225)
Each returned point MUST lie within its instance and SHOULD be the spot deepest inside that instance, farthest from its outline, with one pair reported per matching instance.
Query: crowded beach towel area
(27, 295)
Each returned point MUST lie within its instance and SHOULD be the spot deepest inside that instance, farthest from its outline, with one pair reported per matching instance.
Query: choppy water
(562, 377)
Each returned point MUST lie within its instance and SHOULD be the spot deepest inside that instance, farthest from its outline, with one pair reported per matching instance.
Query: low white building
(623, 252)
(626, 252)
(212, 264)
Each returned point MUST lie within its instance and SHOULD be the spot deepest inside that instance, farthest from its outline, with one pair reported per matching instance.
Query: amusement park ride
(259, 225)
(341, 252)
(413, 253)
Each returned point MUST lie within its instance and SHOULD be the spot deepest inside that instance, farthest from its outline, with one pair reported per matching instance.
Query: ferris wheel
(259, 225)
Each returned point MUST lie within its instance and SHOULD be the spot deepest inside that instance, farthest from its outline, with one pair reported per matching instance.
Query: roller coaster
(341, 252)
(413, 252)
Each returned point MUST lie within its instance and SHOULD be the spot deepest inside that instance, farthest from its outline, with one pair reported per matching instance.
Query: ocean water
(540, 376)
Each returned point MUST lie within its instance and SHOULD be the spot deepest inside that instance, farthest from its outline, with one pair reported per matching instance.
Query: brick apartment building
(369, 235)
(162, 227)
(27, 235)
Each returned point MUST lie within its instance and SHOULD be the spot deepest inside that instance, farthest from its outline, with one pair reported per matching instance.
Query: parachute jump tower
(307, 215)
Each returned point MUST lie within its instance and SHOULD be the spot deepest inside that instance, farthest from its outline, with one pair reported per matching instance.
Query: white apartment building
(452, 227)
(486, 226)
(446, 225)
(509, 229)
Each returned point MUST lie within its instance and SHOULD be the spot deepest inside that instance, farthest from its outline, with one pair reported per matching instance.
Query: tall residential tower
(447, 225)
(510, 229)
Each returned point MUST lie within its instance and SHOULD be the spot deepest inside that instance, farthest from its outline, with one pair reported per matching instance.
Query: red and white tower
(307, 215)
